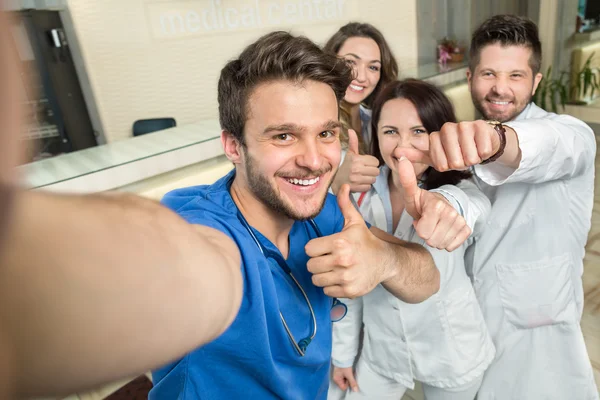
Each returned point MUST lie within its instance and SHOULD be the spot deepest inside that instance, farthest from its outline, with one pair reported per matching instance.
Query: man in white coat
(537, 168)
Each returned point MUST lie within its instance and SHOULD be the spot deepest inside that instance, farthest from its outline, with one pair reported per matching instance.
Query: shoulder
(209, 205)
(535, 112)
(534, 121)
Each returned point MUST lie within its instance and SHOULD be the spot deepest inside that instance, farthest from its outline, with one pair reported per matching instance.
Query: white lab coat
(442, 341)
(527, 265)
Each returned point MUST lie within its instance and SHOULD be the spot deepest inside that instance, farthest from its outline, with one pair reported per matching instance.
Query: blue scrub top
(254, 358)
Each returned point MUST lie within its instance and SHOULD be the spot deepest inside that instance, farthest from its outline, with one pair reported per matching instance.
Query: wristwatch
(499, 128)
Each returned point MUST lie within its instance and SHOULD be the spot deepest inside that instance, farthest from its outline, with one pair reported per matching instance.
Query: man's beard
(478, 103)
(263, 190)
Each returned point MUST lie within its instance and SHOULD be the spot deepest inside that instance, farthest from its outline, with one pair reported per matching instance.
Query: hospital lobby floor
(590, 322)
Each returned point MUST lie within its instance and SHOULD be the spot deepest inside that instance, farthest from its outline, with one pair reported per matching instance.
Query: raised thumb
(408, 180)
(352, 141)
(350, 213)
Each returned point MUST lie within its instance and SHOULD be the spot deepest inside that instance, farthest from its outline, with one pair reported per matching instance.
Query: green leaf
(564, 96)
(587, 81)
(543, 94)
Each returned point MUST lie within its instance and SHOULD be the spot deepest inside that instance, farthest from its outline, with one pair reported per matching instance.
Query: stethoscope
(338, 309)
(303, 343)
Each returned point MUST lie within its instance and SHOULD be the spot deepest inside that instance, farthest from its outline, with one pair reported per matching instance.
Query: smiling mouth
(304, 182)
(357, 88)
(499, 103)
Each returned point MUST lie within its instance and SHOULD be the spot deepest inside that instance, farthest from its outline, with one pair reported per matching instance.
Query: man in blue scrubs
(278, 107)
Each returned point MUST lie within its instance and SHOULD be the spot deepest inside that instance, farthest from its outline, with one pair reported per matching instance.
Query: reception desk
(148, 165)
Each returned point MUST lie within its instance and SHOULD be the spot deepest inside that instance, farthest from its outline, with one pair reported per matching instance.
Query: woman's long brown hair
(389, 68)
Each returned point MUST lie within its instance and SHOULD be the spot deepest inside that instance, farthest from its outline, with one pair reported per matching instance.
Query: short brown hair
(507, 30)
(275, 56)
(434, 109)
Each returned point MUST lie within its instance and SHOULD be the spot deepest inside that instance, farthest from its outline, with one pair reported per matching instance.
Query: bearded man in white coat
(537, 168)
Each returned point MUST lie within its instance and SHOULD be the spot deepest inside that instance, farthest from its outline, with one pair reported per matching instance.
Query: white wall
(150, 58)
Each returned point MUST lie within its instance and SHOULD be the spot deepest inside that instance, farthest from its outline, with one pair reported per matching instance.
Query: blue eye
(419, 131)
(390, 132)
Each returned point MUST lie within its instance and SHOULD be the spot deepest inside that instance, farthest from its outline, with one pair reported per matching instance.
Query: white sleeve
(552, 148)
(469, 201)
(346, 334)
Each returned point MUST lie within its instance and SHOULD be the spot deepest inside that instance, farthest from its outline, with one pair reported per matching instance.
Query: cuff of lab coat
(342, 363)
(495, 174)
(451, 199)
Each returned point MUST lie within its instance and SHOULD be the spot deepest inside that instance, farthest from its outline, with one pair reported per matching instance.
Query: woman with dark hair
(366, 50)
(442, 342)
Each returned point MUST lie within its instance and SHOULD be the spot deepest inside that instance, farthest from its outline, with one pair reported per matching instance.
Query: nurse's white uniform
(443, 341)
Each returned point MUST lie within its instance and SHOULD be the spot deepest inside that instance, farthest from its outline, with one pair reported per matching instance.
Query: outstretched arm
(96, 288)
(410, 272)
(537, 150)
(552, 148)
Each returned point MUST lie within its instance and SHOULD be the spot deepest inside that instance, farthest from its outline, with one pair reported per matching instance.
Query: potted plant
(450, 50)
(565, 90)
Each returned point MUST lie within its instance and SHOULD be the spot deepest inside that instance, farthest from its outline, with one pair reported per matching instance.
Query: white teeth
(303, 182)
(502, 103)
(357, 88)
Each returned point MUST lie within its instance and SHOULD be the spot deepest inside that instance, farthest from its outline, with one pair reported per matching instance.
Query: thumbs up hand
(435, 220)
(359, 171)
(347, 264)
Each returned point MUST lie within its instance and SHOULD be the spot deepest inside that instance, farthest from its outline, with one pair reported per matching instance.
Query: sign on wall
(184, 18)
